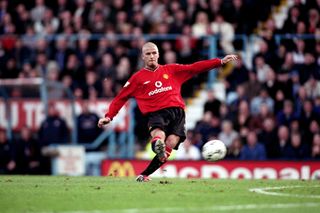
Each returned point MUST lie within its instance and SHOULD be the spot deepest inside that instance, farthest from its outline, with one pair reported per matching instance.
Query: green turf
(111, 194)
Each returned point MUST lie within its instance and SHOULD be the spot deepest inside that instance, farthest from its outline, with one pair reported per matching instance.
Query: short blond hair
(148, 45)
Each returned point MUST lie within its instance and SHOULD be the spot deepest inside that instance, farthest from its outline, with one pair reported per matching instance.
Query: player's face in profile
(150, 56)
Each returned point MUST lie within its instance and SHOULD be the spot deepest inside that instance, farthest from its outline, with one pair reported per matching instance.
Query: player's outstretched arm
(103, 121)
(229, 58)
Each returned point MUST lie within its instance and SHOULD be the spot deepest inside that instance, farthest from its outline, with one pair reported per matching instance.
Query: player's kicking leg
(158, 147)
(157, 162)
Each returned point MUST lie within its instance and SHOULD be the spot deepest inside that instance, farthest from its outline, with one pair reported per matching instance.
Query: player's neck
(153, 68)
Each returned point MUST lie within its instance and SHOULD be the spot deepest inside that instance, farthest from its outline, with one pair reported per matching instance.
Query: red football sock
(155, 138)
(168, 151)
(153, 141)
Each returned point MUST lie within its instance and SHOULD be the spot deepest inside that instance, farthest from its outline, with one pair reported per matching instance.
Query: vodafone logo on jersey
(158, 84)
(159, 88)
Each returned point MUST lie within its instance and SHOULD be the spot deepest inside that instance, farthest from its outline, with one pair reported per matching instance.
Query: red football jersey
(160, 88)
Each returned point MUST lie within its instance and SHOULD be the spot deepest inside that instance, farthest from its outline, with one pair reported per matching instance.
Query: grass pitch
(111, 194)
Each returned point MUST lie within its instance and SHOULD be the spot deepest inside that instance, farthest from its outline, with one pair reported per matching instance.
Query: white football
(214, 150)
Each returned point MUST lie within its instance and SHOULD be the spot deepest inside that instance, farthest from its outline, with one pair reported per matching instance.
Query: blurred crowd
(272, 107)
(38, 39)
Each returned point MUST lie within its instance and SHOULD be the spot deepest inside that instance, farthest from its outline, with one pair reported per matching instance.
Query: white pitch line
(266, 191)
(200, 209)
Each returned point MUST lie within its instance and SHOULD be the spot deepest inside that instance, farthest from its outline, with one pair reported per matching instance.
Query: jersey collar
(152, 70)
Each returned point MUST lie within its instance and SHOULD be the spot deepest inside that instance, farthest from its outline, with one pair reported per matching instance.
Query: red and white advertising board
(223, 169)
(31, 113)
(70, 161)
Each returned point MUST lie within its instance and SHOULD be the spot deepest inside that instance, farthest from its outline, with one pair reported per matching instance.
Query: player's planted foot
(160, 149)
(143, 178)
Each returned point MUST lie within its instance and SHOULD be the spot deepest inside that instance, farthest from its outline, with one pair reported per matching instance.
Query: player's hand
(103, 121)
(229, 58)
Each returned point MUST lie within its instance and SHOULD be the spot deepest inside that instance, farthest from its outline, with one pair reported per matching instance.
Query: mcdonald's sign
(307, 170)
(121, 168)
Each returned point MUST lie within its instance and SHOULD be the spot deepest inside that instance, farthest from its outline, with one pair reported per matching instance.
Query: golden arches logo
(119, 169)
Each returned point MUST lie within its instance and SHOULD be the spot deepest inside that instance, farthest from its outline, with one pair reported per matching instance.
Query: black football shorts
(170, 120)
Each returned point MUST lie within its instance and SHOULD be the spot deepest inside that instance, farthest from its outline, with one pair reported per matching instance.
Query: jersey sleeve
(125, 93)
(185, 72)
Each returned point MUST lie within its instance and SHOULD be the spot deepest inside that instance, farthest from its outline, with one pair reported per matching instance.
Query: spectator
(92, 87)
(53, 130)
(62, 6)
(206, 128)
(309, 69)
(87, 121)
(214, 7)
(153, 10)
(253, 86)
(261, 68)
(8, 37)
(107, 68)
(300, 98)
(283, 143)
(83, 49)
(242, 118)
(288, 65)
(122, 71)
(27, 153)
(307, 114)
(201, 25)
(225, 112)
(256, 122)
(263, 98)
(82, 11)
(38, 12)
(268, 137)
(295, 126)
(41, 64)
(315, 152)
(292, 20)
(108, 88)
(271, 84)
(311, 130)
(238, 76)
(268, 48)
(62, 52)
(7, 163)
(233, 99)
(253, 150)
(238, 15)
(298, 53)
(225, 31)
(317, 105)
(186, 44)
(312, 87)
(47, 25)
(313, 20)
(278, 101)
(177, 27)
(228, 134)
(98, 9)
(73, 69)
(10, 70)
(235, 149)
(188, 151)
(286, 116)
(295, 79)
(212, 104)
(300, 150)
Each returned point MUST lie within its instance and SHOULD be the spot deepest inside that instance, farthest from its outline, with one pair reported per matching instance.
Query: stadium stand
(92, 47)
